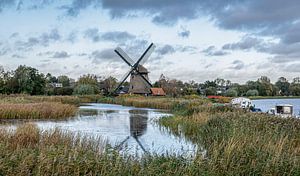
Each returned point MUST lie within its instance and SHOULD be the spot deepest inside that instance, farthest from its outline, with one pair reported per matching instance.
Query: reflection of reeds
(46, 110)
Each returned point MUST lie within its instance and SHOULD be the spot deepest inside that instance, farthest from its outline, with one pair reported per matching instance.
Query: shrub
(84, 89)
(231, 93)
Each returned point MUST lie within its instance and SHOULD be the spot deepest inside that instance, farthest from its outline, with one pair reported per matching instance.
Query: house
(157, 92)
(56, 85)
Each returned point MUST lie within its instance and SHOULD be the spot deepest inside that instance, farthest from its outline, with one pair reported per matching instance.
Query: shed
(158, 92)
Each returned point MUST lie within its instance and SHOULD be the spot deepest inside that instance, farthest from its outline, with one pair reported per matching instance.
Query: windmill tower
(137, 83)
(139, 80)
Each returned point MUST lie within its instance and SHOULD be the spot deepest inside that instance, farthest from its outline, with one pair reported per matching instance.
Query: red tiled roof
(158, 91)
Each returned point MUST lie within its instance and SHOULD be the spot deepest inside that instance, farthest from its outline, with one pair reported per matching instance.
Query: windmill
(139, 81)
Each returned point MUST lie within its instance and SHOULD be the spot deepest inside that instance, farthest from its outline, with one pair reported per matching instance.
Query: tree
(283, 85)
(28, 80)
(91, 80)
(108, 84)
(295, 87)
(64, 80)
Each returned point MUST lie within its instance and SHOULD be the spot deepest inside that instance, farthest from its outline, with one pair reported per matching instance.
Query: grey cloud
(17, 56)
(237, 65)
(166, 12)
(164, 50)
(13, 35)
(212, 51)
(184, 33)
(292, 67)
(6, 3)
(77, 5)
(4, 51)
(246, 43)
(103, 55)
(60, 54)
(93, 34)
(43, 40)
(117, 36)
(114, 36)
(72, 37)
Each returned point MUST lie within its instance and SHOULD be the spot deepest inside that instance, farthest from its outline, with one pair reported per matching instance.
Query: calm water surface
(130, 128)
(266, 104)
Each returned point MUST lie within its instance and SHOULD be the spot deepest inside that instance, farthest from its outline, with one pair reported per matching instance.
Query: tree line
(28, 80)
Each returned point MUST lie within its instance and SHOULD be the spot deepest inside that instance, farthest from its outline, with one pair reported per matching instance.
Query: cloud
(118, 36)
(164, 50)
(93, 34)
(212, 51)
(43, 40)
(17, 56)
(292, 67)
(55, 54)
(6, 3)
(77, 5)
(184, 33)
(237, 65)
(104, 55)
(114, 36)
(61, 54)
(246, 43)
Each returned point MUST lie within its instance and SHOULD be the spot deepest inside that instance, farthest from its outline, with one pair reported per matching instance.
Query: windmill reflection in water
(138, 120)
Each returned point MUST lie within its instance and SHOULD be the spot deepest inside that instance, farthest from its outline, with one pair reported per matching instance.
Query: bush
(210, 91)
(84, 89)
(231, 93)
(253, 92)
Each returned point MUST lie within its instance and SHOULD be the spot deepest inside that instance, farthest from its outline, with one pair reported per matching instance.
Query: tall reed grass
(23, 98)
(29, 151)
(46, 110)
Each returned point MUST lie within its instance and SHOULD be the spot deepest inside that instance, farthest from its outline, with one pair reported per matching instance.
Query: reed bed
(29, 151)
(45, 110)
(75, 100)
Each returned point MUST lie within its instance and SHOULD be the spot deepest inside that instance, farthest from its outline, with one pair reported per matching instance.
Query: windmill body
(139, 80)
(137, 83)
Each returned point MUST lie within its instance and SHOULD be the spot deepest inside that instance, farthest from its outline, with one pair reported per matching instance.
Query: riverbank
(230, 142)
(274, 97)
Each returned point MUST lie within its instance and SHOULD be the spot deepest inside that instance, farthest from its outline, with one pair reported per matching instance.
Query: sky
(198, 40)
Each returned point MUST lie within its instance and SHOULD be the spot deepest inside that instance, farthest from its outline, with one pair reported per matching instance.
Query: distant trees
(28, 80)
(295, 87)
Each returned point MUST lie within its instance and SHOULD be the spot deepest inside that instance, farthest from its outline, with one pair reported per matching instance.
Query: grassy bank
(45, 110)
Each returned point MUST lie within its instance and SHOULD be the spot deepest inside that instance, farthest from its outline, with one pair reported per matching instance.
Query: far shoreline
(273, 97)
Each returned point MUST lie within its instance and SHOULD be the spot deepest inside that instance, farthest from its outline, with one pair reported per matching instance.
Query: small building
(56, 85)
(157, 92)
